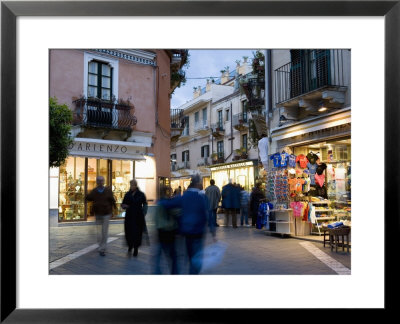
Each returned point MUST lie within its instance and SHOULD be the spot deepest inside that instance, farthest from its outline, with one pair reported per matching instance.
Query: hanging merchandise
(276, 158)
(292, 160)
(261, 215)
(302, 159)
(307, 181)
(284, 159)
(263, 151)
(312, 168)
(320, 168)
(319, 179)
(312, 157)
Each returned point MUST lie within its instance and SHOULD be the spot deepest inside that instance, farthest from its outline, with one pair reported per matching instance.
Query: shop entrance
(78, 177)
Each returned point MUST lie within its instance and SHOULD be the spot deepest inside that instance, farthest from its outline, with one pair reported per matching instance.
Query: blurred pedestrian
(230, 202)
(167, 226)
(177, 191)
(103, 203)
(214, 196)
(193, 220)
(135, 204)
(244, 206)
(255, 197)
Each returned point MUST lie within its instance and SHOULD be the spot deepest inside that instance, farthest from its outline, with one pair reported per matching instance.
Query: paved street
(249, 252)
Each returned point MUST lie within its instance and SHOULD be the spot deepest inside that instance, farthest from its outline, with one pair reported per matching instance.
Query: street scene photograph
(199, 161)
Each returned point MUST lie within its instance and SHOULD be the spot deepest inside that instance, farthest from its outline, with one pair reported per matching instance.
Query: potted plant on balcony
(237, 155)
(214, 157)
(243, 153)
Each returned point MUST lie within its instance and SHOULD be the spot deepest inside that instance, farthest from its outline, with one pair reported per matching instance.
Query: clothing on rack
(302, 159)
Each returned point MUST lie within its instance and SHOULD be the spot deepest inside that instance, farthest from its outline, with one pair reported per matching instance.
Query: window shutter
(202, 151)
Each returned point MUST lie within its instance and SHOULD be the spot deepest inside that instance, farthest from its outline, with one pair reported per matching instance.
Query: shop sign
(106, 149)
(232, 166)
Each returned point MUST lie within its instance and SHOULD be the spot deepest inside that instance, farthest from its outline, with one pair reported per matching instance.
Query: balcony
(253, 86)
(174, 166)
(217, 130)
(183, 165)
(201, 128)
(313, 78)
(203, 162)
(240, 121)
(96, 113)
(217, 158)
(177, 124)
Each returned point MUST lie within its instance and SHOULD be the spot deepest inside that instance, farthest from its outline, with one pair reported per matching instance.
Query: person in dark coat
(167, 226)
(193, 220)
(135, 204)
(214, 196)
(256, 196)
(230, 202)
(103, 202)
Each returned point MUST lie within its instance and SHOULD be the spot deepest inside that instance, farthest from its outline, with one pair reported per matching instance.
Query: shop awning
(106, 149)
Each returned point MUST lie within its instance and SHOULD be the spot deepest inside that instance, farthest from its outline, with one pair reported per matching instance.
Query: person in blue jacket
(195, 216)
(230, 202)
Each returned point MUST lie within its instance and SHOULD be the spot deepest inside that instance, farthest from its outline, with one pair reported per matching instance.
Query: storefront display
(243, 173)
(317, 188)
(78, 177)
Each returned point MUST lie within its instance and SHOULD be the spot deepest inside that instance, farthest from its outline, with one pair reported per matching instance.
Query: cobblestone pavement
(249, 252)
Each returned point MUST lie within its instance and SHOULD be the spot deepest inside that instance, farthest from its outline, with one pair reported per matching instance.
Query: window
(220, 149)
(186, 129)
(220, 118)
(244, 142)
(99, 80)
(227, 115)
(205, 116)
(196, 117)
(173, 158)
(244, 110)
(205, 151)
(185, 156)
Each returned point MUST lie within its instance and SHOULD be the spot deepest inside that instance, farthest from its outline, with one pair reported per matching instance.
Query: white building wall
(53, 188)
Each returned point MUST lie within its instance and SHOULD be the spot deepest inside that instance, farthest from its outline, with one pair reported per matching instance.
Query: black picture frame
(10, 10)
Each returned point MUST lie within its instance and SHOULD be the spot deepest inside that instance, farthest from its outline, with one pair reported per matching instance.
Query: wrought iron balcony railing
(240, 118)
(103, 114)
(201, 126)
(203, 161)
(217, 129)
(310, 70)
(177, 119)
(183, 165)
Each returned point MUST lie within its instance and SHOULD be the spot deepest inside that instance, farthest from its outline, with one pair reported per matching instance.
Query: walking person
(255, 198)
(135, 204)
(230, 202)
(167, 226)
(214, 196)
(244, 206)
(103, 203)
(193, 220)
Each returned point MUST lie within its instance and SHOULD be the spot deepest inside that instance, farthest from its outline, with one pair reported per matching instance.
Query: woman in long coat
(135, 204)
(256, 196)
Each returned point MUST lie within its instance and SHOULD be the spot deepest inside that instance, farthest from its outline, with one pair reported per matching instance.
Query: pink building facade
(120, 101)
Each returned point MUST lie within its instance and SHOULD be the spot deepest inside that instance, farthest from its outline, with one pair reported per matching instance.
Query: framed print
(311, 17)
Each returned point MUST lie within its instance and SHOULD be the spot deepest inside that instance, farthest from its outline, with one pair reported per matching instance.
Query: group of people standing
(187, 216)
(235, 199)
